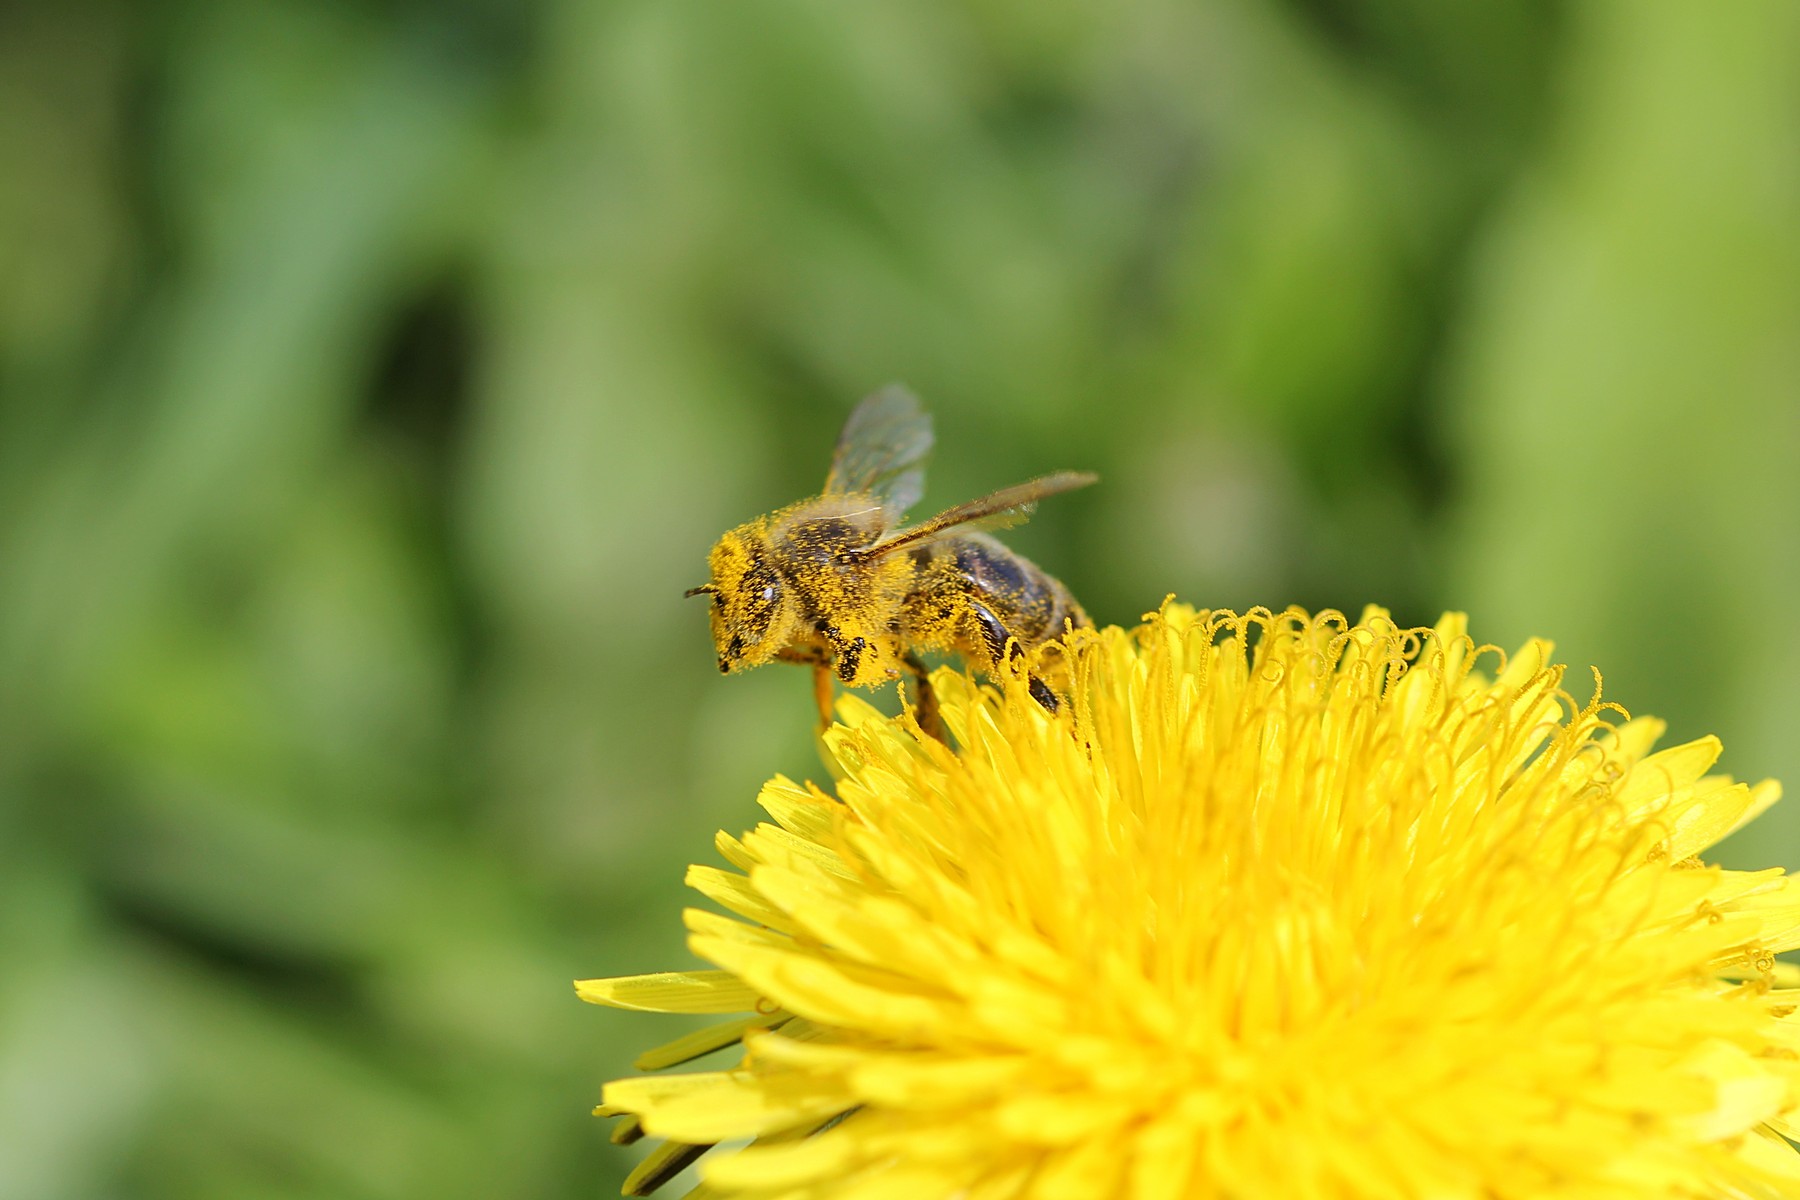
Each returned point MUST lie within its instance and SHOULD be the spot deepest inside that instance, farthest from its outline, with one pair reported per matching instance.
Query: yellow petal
(704, 1041)
(671, 992)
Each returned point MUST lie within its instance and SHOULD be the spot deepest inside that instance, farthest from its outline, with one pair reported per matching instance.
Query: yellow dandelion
(1277, 905)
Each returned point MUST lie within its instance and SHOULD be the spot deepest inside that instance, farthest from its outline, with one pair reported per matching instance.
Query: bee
(838, 582)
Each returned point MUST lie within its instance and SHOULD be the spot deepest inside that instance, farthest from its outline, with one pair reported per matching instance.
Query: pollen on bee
(838, 581)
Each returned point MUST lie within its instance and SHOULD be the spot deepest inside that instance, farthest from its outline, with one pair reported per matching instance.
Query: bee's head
(752, 609)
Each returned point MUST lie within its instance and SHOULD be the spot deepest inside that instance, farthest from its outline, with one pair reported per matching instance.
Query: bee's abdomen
(978, 580)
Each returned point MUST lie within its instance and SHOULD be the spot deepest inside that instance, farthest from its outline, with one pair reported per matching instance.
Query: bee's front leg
(823, 693)
(819, 659)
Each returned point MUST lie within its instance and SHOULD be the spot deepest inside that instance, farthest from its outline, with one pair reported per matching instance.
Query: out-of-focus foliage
(374, 376)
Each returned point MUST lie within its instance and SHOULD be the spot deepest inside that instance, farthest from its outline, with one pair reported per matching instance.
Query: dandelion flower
(1277, 905)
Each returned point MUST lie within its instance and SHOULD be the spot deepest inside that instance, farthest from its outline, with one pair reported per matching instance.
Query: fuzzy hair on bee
(839, 583)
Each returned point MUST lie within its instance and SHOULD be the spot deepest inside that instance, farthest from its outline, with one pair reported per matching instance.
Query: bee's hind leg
(1002, 646)
(925, 705)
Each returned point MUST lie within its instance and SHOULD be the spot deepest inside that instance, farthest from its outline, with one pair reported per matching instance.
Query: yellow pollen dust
(1277, 904)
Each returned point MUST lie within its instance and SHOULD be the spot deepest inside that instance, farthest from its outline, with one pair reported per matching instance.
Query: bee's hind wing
(883, 450)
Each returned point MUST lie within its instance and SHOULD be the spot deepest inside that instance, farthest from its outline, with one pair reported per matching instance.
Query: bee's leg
(998, 642)
(925, 705)
(823, 692)
(820, 662)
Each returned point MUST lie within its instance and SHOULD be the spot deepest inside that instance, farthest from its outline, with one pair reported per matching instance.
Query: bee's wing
(883, 450)
(998, 510)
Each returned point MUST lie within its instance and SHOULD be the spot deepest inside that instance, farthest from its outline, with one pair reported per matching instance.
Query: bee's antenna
(705, 589)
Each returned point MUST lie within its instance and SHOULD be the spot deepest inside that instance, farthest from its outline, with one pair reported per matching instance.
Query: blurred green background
(374, 377)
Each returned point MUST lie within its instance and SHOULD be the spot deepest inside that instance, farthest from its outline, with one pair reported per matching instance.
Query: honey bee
(837, 582)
